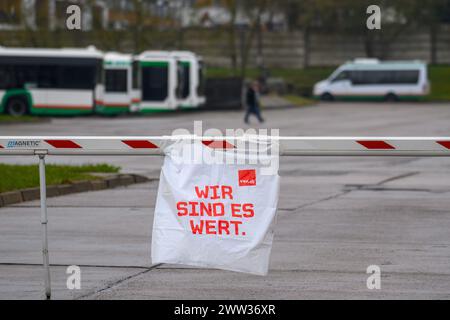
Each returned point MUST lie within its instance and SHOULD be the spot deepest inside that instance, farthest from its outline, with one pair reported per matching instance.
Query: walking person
(252, 102)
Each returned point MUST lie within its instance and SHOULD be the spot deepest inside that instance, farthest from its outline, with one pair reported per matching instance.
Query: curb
(37, 120)
(110, 182)
(288, 106)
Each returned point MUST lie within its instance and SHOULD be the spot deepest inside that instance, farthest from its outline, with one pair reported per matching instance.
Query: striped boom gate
(154, 146)
(288, 146)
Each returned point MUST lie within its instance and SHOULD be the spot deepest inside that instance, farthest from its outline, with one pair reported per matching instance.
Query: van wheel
(17, 107)
(391, 97)
(327, 97)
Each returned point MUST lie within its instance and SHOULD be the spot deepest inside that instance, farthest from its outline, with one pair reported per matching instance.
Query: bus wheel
(391, 97)
(17, 107)
(327, 97)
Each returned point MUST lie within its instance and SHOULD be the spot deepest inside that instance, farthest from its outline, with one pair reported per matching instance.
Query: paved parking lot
(337, 216)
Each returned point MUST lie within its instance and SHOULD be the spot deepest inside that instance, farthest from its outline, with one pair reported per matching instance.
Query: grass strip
(16, 177)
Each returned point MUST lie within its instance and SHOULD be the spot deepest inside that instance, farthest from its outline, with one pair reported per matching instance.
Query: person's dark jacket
(251, 99)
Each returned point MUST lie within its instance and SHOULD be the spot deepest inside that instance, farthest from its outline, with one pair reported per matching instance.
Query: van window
(344, 75)
(406, 76)
(372, 77)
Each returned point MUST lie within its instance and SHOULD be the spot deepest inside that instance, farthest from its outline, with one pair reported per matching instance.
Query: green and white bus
(50, 81)
(117, 95)
(159, 82)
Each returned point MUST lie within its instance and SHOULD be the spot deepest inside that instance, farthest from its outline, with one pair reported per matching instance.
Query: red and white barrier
(289, 146)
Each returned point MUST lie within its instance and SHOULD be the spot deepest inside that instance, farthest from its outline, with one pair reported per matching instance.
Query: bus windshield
(155, 82)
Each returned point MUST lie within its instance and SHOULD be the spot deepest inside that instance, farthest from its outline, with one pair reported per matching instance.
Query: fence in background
(279, 49)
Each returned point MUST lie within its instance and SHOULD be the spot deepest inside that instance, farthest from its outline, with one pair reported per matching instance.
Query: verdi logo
(247, 178)
(23, 143)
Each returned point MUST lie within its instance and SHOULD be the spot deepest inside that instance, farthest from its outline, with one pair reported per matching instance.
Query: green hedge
(301, 81)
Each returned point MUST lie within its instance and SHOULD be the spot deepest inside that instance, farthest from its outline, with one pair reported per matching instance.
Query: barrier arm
(289, 146)
(154, 145)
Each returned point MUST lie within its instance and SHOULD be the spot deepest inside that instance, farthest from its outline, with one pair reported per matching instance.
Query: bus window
(116, 81)
(186, 74)
(24, 75)
(135, 79)
(100, 76)
(77, 77)
(201, 80)
(155, 83)
(5, 77)
(47, 77)
(180, 81)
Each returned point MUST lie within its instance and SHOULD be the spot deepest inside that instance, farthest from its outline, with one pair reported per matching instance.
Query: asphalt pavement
(336, 216)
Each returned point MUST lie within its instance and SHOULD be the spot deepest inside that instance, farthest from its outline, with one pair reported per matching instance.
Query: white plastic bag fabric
(214, 215)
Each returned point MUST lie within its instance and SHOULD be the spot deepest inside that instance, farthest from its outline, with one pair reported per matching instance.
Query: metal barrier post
(44, 220)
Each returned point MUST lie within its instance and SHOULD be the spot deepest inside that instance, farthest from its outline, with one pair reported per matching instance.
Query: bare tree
(304, 15)
(253, 10)
(232, 7)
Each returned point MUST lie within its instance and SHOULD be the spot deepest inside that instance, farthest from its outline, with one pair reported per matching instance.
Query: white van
(375, 80)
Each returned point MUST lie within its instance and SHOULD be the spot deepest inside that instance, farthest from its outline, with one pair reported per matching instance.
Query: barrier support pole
(44, 220)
